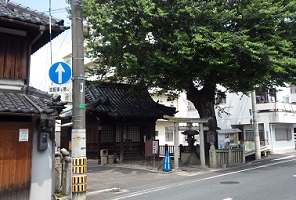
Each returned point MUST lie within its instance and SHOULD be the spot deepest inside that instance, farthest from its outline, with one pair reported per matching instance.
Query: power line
(62, 42)
(56, 10)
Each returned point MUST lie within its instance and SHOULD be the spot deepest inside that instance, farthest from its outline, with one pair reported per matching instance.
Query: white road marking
(106, 190)
(139, 193)
(287, 157)
(228, 199)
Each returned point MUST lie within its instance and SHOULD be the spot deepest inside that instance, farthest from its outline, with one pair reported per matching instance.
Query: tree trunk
(204, 101)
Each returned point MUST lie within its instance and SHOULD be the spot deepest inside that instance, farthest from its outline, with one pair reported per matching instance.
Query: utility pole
(255, 126)
(78, 137)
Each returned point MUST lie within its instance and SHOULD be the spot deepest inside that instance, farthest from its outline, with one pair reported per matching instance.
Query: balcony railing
(276, 107)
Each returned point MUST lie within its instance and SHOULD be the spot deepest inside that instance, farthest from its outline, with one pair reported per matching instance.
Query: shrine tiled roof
(120, 100)
(25, 101)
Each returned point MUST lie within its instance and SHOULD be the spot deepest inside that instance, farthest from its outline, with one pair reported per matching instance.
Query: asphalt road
(272, 178)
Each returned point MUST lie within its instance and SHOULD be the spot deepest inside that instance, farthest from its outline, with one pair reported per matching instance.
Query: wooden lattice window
(107, 134)
(131, 133)
(117, 135)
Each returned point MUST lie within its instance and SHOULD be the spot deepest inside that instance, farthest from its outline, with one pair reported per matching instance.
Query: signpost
(60, 73)
(151, 149)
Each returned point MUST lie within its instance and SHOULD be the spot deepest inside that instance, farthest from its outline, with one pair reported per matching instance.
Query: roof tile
(119, 100)
(32, 101)
(20, 12)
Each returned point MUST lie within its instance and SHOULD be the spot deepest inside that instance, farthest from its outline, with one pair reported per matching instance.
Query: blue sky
(61, 45)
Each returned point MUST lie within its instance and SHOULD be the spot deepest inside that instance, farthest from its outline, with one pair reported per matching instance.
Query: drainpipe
(41, 29)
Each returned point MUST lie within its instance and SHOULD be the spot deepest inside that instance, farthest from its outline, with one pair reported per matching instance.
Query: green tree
(192, 45)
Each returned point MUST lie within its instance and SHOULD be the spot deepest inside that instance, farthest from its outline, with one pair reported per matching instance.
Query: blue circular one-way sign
(60, 73)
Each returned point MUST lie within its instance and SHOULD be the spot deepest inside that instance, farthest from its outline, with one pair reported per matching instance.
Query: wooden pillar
(121, 144)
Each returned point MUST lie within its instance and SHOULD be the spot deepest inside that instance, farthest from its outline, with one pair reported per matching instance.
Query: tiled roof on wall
(27, 101)
(13, 10)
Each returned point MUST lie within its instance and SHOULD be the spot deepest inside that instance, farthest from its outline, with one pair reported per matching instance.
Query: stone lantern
(190, 137)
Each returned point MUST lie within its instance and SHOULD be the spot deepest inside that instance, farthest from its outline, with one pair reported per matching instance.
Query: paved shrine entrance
(178, 128)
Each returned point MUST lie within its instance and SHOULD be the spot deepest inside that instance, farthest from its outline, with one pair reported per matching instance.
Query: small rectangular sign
(23, 135)
(155, 147)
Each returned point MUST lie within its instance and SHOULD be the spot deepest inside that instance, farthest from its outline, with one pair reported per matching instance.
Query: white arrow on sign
(60, 69)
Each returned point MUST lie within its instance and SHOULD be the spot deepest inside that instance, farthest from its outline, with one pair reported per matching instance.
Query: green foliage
(167, 43)
(59, 194)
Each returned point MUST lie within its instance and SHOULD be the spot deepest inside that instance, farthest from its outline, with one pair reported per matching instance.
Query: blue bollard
(167, 162)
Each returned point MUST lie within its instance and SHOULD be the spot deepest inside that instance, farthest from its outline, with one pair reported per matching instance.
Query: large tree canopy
(192, 45)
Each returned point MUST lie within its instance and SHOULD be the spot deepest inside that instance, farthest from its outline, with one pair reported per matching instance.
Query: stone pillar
(202, 146)
(67, 189)
(58, 172)
(213, 156)
(176, 145)
(229, 157)
(66, 173)
(244, 152)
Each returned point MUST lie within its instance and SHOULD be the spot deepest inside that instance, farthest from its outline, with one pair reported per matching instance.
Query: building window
(250, 136)
(169, 134)
(283, 134)
(286, 99)
(293, 89)
(265, 96)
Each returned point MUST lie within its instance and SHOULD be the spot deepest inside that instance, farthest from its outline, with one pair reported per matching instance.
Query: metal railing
(170, 149)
